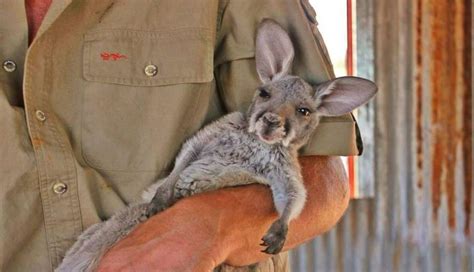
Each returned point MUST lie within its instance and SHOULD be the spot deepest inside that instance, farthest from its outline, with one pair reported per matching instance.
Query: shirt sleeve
(236, 75)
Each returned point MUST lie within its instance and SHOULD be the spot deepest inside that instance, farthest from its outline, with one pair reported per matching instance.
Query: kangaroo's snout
(271, 128)
(272, 120)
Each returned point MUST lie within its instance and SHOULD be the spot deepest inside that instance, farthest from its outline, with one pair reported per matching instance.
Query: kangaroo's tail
(91, 245)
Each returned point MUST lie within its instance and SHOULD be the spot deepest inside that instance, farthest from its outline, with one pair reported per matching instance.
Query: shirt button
(9, 66)
(40, 115)
(151, 70)
(59, 188)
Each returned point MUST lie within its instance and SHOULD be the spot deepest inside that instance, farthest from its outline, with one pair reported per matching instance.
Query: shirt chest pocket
(143, 92)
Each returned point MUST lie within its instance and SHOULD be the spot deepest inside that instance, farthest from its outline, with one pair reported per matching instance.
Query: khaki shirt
(97, 107)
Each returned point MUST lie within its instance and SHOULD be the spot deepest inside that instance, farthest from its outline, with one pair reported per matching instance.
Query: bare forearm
(328, 197)
(202, 231)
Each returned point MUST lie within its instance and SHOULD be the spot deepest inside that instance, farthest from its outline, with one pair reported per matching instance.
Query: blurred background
(412, 193)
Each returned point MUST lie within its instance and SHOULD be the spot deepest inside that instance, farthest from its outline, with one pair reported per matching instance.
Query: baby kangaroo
(259, 147)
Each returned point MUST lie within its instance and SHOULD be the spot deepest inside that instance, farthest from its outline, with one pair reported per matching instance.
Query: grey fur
(238, 149)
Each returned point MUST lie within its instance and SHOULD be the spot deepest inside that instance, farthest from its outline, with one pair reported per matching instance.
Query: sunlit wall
(332, 23)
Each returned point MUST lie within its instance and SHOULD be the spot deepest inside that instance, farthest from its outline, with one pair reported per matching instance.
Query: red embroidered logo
(112, 56)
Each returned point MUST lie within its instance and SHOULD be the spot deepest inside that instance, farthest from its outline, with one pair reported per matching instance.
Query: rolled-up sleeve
(236, 75)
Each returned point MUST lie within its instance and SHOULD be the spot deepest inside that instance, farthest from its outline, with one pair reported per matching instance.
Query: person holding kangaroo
(96, 100)
(259, 147)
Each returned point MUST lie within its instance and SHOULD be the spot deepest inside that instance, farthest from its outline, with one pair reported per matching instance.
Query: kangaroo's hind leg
(190, 152)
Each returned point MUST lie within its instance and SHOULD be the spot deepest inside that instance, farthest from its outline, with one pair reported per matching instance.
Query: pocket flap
(149, 58)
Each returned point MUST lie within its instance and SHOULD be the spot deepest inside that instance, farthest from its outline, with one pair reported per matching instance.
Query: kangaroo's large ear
(274, 51)
(342, 95)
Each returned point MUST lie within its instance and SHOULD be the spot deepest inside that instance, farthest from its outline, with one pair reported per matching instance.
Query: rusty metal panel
(421, 216)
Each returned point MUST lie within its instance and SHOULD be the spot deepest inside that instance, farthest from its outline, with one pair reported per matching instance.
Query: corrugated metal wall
(421, 216)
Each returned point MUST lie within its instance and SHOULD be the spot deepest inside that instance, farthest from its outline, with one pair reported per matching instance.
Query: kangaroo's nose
(272, 120)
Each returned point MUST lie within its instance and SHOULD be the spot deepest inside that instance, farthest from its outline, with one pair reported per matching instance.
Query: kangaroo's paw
(275, 237)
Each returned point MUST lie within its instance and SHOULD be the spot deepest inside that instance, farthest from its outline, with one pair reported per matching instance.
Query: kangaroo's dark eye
(304, 111)
(263, 93)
